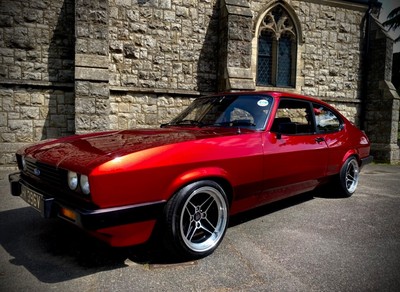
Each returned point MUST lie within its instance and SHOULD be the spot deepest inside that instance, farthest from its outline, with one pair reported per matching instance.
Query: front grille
(51, 182)
(47, 174)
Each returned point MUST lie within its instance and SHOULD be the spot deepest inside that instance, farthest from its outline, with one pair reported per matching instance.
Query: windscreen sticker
(262, 102)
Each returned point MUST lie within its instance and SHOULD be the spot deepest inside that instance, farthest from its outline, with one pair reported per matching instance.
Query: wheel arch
(350, 153)
(215, 174)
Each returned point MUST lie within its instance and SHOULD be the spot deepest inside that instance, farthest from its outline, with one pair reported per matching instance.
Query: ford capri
(224, 154)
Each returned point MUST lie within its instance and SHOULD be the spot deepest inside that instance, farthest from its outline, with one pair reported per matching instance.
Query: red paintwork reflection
(257, 167)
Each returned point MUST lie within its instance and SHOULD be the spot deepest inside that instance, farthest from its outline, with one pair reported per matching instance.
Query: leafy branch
(393, 21)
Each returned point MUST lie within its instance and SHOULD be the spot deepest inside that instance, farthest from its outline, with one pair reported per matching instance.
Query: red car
(222, 155)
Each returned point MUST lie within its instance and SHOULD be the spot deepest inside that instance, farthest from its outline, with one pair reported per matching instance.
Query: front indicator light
(67, 213)
(72, 180)
(85, 187)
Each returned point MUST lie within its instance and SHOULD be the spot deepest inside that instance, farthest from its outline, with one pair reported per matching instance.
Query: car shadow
(55, 251)
(52, 250)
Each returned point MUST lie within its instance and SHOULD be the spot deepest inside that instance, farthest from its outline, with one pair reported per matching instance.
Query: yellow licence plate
(32, 198)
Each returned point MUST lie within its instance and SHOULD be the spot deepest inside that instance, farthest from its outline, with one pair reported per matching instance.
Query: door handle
(319, 139)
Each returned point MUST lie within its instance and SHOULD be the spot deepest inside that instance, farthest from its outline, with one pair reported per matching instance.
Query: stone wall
(169, 44)
(140, 110)
(30, 114)
(162, 55)
(36, 73)
(76, 66)
(37, 41)
(382, 108)
(92, 91)
(330, 63)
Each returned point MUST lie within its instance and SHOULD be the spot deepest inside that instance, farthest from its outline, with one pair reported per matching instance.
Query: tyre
(348, 177)
(196, 219)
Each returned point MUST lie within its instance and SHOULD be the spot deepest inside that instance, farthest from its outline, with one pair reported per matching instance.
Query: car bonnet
(84, 152)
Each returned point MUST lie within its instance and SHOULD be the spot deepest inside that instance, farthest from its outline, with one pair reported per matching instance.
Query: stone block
(22, 98)
(239, 10)
(14, 72)
(131, 51)
(99, 123)
(7, 138)
(37, 99)
(182, 11)
(3, 119)
(99, 90)
(94, 74)
(58, 121)
(82, 122)
(91, 60)
(241, 84)
(28, 112)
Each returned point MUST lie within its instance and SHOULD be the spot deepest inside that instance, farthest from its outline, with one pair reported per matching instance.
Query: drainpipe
(365, 68)
(365, 65)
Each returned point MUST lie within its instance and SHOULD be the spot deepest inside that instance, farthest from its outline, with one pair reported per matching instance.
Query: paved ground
(308, 243)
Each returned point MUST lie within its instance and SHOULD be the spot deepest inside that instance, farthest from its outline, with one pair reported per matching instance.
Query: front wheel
(348, 176)
(196, 219)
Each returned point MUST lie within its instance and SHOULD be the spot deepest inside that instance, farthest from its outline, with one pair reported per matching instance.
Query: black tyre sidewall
(173, 240)
(342, 178)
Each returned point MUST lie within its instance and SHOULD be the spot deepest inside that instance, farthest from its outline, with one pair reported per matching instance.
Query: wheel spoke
(192, 205)
(209, 223)
(206, 229)
(209, 201)
(191, 231)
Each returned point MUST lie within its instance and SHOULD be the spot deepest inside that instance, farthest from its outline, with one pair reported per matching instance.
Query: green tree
(393, 21)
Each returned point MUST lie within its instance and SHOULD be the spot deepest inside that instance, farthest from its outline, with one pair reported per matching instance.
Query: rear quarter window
(326, 120)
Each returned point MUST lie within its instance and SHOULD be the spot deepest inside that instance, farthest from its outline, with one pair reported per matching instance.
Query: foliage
(393, 21)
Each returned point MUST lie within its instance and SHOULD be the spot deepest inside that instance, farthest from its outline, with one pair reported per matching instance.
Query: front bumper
(49, 206)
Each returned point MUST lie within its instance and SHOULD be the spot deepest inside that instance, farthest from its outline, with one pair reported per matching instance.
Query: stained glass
(284, 62)
(264, 68)
(276, 49)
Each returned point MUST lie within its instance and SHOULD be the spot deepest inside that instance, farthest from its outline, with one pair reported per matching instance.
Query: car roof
(276, 94)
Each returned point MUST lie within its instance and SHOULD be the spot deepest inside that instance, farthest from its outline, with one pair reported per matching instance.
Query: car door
(295, 156)
(330, 127)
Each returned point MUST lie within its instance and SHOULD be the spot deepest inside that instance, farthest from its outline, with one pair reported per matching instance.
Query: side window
(326, 120)
(293, 117)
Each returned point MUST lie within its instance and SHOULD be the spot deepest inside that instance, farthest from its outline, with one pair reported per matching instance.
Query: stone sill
(156, 90)
(26, 83)
(296, 91)
(341, 100)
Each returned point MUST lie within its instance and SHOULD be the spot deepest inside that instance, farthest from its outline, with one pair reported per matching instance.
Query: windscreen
(248, 111)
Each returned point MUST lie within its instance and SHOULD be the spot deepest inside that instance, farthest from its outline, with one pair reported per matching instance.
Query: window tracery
(277, 49)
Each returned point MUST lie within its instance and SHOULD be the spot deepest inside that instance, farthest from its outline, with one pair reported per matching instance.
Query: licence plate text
(32, 198)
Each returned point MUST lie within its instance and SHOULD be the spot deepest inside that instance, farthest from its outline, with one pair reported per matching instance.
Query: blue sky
(387, 6)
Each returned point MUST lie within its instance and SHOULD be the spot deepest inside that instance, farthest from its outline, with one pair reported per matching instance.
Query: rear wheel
(348, 176)
(196, 219)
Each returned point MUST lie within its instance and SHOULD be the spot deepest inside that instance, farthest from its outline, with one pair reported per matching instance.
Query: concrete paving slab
(311, 242)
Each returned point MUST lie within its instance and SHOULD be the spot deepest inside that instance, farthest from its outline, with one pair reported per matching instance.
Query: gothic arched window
(277, 50)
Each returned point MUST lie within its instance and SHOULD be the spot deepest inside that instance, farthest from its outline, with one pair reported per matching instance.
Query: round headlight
(85, 184)
(72, 180)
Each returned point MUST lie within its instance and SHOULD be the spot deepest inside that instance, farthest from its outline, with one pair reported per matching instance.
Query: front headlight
(85, 184)
(72, 180)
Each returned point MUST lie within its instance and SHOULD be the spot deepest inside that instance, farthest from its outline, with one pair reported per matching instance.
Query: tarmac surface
(312, 242)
